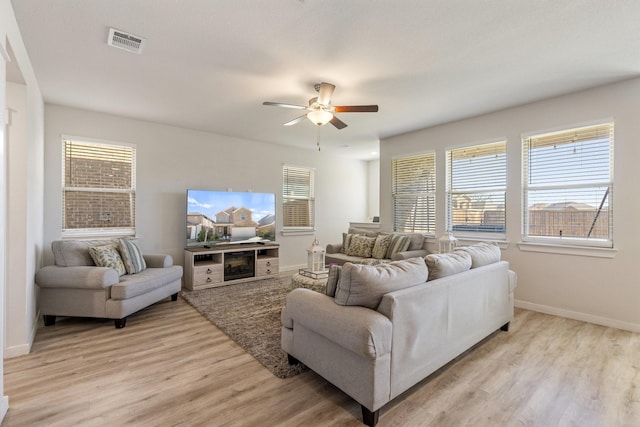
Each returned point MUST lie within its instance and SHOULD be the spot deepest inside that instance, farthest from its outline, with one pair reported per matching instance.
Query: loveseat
(364, 246)
(389, 326)
(123, 281)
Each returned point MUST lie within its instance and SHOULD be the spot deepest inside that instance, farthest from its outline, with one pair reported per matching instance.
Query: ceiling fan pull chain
(318, 139)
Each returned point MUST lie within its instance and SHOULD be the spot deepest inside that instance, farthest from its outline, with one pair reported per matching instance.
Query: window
(568, 186)
(98, 196)
(476, 189)
(414, 193)
(298, 198)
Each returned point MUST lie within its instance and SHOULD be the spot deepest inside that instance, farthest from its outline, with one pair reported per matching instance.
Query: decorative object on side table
(315, 257)
(447, 243)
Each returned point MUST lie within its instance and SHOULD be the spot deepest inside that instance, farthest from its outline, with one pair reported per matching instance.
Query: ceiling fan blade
(338, 123)
(296, 120)
(280, 104)
(325, 92)
(356, 109)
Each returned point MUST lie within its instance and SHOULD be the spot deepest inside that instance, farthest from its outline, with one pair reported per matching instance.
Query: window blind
(298, 197)
(98, 188)
(414, 193)
(568, 179)
(476, 188)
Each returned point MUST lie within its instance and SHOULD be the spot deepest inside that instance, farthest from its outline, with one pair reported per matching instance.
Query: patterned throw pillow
(381, 245)
(346, 241)
(107, 256)
(361, 246)
(131, 255)
(398, 243)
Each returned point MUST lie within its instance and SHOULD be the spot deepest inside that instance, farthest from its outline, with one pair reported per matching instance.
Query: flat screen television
(229, 217)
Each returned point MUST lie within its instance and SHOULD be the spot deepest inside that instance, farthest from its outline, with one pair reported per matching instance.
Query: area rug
(249, 313)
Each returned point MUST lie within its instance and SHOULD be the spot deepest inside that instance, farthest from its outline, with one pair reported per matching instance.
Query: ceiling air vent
(125, 41)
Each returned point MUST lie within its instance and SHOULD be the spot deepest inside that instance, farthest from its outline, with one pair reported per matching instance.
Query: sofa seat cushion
(364, 285)
(132, 285)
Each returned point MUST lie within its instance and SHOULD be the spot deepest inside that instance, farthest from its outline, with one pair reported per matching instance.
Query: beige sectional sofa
(75, 286)
(364, 246)
(381, 329)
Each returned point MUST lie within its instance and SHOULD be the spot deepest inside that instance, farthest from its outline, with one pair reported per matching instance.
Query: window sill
(568, 250)
(298, 232)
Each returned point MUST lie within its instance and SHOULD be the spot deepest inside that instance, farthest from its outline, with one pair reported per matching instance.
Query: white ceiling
(209, 64)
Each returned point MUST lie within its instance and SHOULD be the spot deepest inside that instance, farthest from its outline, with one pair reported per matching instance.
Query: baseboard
(22, 349)
(575, 315)
(4, 407)
(294, 268)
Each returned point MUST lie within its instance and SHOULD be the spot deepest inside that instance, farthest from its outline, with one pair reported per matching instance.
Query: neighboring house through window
(414, 193)
(568, 186)
(298, 198)
(476, 190)
(98, 197)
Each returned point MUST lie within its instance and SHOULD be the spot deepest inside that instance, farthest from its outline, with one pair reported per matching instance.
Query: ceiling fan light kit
(320, 117)
(320, 109)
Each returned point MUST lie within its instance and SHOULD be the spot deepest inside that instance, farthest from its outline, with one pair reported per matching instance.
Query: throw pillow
(346, 241)
(332, 281)
(365, 285)
(131, 255)
(442, 265)
(381, 246)
(361, 246)
(107, 256)
(482, 253)
(399, 243)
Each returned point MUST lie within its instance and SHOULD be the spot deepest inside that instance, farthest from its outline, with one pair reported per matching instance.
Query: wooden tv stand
(228, 264)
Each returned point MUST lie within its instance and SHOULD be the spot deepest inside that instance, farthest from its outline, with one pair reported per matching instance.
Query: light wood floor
(171, 367)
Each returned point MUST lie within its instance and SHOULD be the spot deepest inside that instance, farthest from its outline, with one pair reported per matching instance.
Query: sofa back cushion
(482, 253)
(364, 285)
(72, 253)
(443, 265)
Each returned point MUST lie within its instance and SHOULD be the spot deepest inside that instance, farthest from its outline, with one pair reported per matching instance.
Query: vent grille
(126, 41)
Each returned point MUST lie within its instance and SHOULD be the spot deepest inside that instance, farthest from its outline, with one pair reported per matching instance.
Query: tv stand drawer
(204, 275)
(267, 267)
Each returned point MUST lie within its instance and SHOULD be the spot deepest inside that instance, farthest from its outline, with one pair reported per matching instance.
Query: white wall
(171, 159)
(26, 150)
(373, 205)
(599, 290)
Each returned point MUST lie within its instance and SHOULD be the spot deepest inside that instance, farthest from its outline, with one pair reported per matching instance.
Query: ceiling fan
(320, 110)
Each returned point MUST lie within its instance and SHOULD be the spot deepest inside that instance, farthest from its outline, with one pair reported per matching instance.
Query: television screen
(227, 217)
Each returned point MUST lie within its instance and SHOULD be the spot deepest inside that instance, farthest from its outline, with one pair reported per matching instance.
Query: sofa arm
(158, 260)
(358, 329)
(334, 248)
(421, 253)
(80, 277)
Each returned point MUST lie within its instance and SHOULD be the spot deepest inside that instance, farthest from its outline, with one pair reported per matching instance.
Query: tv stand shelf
(229, 264)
